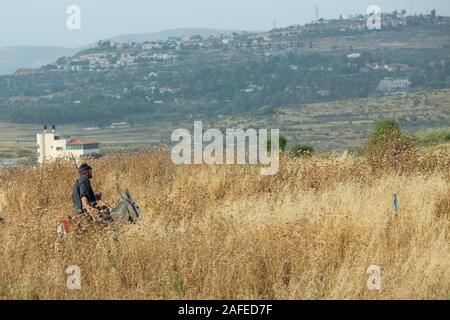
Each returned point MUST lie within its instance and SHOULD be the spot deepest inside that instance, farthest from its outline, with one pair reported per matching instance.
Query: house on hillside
(389, 85)
(52, 146)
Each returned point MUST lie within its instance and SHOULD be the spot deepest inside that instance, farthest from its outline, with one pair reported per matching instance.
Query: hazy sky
(43, 22)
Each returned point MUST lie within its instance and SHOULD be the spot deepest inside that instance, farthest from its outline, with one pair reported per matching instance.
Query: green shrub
(387, 145)
(385, 130)
(301, 150)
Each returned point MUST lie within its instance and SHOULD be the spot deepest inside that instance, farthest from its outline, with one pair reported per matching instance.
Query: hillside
(240, 73)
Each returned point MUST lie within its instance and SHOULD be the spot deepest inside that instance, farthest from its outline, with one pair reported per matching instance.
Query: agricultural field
(339, 125)
(328, 127)
(225, 232)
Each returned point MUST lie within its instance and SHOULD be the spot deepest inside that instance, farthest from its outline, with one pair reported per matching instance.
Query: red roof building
(78, 141)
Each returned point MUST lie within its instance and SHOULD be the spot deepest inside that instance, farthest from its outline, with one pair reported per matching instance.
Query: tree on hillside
(433, 13)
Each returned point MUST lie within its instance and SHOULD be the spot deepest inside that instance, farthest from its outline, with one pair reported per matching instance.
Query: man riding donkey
(87, 210)
(89, 213)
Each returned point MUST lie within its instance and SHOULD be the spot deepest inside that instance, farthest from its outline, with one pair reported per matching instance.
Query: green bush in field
(299, 150)
(387, 144)
(385, 130)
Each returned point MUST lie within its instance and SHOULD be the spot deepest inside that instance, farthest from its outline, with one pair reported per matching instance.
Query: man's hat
(84, 168)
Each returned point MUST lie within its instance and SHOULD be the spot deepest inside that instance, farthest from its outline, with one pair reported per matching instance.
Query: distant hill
(165, 34)
(13, 58)
(246, 73)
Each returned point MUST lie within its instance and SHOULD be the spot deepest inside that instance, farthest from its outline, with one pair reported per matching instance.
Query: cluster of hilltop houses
(104, 61)
(109, 55)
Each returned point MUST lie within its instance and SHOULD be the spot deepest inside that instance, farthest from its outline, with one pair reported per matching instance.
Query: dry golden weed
(225, 232)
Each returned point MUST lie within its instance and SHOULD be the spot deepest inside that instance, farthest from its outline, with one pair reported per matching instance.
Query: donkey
(127, 211)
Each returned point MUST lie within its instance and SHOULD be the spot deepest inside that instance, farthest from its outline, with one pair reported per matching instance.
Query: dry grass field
(225, 232)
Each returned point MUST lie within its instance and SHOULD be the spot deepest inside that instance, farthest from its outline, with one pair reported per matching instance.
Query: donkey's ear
(123, 196)
(130, 197)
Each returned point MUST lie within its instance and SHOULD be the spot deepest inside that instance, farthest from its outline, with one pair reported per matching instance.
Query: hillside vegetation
(238, 73)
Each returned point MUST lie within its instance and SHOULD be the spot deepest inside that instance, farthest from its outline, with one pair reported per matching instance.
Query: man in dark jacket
(85, 200)
(83, 196)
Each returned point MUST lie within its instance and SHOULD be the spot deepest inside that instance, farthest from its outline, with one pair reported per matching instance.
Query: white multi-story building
(387, 85)
(51, 146)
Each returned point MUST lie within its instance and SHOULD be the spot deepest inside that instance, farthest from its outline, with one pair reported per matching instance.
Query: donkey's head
(128, 210)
